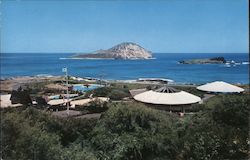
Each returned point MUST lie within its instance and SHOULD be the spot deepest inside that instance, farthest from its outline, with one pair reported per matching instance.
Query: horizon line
(152, 52)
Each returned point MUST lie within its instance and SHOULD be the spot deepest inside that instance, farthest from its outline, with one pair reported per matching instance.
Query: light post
(67, 84)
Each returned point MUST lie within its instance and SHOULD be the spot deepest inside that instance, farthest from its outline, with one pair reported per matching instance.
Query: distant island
(215, 60)
(126, 50)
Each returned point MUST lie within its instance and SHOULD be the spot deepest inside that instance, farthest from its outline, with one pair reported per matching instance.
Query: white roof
(79, 79)
(177, 98)
(220, 86)
(155, 79)
(76, 102)
(80, 102)
(85, 101)
(6, 102)
(57, 101)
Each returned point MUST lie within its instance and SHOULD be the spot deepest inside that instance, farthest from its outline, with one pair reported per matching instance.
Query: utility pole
(67, 84)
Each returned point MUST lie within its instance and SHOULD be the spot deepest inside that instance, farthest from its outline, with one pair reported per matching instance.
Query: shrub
(77, 152)
(26, 140)
(118, 94)
(20, 96)
(125, 86)
(220, 132)
(192, 90)
(112, 93)
(99, 92)
(232, 110)
(96, 106)
(31, 134)
(132, 131)
(41, 101)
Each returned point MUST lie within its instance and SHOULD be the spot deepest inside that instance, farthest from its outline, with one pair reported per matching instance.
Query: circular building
(220, 87)
(168, 96)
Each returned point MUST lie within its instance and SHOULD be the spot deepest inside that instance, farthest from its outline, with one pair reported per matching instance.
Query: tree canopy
(130, 131)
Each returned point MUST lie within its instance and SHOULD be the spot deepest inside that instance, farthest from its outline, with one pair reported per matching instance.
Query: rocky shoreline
(214, 60)
(12, 83)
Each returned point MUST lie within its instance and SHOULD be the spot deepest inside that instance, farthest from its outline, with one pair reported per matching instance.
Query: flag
(64, 69)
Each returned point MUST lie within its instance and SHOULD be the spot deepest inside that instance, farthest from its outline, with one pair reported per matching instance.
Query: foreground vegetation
(130, 131)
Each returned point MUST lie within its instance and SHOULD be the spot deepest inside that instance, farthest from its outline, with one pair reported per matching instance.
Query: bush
(232, 110)
(125, 86)
(41, 101)
(132, 131)
(220, 132)
(20, 96)
(118, 94)
(25, 140)
(31, 134)
(112, 93)
(191, 90)
(96, 106)
(77, 152)
(99, 92)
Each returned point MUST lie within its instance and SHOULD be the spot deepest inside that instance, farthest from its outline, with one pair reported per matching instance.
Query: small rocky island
(215, 60)
(126, 50)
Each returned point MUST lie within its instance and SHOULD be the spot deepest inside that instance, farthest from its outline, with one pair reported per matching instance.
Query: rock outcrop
(126, 50)
(215, 60)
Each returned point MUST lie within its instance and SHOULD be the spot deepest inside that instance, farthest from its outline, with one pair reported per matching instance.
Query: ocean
(165, 65)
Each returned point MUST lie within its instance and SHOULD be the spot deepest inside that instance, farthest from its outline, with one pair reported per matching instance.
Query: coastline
(8, 84)
(12, 83)
(165, 65)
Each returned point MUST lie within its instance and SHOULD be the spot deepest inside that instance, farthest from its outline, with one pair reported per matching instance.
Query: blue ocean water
(164, 66)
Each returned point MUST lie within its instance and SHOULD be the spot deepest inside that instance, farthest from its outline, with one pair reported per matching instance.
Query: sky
(161, 26)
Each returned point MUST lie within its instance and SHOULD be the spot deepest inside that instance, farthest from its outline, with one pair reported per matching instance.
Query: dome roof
(167, 89)
(167, 96)
(220, 86)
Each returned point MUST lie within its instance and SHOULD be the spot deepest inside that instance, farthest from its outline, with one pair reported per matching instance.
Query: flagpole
(67, 84)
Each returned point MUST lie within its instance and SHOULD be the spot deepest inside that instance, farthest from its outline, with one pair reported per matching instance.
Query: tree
(23, 139)
(20, 96)
(77, 152)
(132, 131)
(220, 133)
(41, 101)
(96, 106)
(116, 94)
(31, 134)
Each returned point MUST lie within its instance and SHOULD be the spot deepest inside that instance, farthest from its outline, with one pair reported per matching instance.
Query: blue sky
(168, 26)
